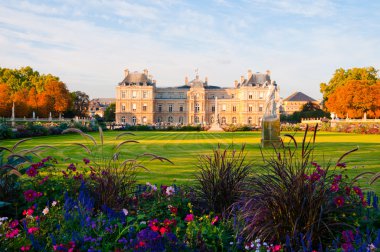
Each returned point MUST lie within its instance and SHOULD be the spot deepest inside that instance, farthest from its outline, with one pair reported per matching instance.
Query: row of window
(145, 94)
(135, 94)
(181, 120)
(196, 108)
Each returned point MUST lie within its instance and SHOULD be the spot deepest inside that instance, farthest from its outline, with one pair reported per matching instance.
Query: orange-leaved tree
(5, 101)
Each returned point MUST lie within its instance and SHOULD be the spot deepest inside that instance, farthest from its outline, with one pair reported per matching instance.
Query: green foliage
(109, 114)
(220, 177)
(5, 131)
(342, 76)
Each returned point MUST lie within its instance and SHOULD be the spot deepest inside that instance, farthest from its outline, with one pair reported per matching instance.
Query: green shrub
(5, 131)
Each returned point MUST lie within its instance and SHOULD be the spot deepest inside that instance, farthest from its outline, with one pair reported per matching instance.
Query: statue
(215, 125)
(271, 121)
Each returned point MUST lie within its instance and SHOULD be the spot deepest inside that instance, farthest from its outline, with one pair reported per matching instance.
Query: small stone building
(294, 103)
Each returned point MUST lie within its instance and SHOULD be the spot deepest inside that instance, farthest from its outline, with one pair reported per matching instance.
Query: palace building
(140, 101)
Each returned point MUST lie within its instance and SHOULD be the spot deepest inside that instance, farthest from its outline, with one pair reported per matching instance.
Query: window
(234, 120)
(144, 108)
(134, 94)
(180, 108)
(159, 107)
(134, 120)
(233, 96)
(261, 95)
(170, 107)
(145, 94)
(181, 95)
(144, 120)
(250, 96)
(123, 94)
(250, 108)
(249, 120)
(213, 109)
(123, 119)
(224, 120)
(134, 106)
(196, 119)
(123, 107)
(170, 119)
(234, 108)
(180, 120)
(197, 107)
(261, 108)
(224, 107)
(159, 119)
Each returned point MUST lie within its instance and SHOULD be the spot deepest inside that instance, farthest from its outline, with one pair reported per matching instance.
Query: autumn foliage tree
(30, 92)
(356, 98)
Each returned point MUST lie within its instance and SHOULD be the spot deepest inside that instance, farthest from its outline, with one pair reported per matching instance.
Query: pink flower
(86, 160)
(334, 187)
(216, 218)
(189, 217)
(25, 248)
(169, 191)
(32, 230)
(12, 234)
(32, 172)
(30, 195)
(13, 224)
(276, 248)
(339, 201)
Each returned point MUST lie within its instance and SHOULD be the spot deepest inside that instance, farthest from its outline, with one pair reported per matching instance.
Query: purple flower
(341, 165)
(334, 187)
(72, 167)
(86, 160)
(30, 195)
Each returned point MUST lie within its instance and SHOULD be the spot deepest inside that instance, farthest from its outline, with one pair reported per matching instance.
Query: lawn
(183, 149)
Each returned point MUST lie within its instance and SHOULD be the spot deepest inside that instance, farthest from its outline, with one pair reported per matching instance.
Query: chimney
(206, 79)
(249, 74)
(146, 72)
(186, 80)
(126, 72)
(241, 79)
(236, 83)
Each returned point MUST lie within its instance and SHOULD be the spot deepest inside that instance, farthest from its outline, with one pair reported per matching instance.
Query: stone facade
(139, 101)
(295, 102)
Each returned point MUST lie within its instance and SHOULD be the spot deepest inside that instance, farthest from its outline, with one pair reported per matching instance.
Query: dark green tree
(109, 114)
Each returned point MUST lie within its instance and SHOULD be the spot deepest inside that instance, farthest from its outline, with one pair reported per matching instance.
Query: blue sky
(88, 44)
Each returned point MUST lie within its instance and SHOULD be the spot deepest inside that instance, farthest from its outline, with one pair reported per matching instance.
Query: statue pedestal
(215, 127)
(270, 132)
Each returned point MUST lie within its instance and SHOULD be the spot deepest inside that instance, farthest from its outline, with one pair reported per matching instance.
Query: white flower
(148, 184)
(45, 211)
(143, 223)
(3, 218)
(246, 247)
(265, 244)
(125, 211)
(231, 243)
(54, 203)
(170, 190)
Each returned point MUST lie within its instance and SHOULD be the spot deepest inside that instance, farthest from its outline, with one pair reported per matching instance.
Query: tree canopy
(31, 91)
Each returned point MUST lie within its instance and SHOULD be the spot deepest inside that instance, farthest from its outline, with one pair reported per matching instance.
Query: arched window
(170, 119)
(224, 120)
(159, 119)
(196, 119)
(249, 120)
(123, 119)
(233, 119)
(134, 120)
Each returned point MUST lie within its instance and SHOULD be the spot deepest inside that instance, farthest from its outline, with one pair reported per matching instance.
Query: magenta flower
(86, 160)
(348, 190)
(189, 217)
(358, 191)
(339, 201)
(334, 187)
(13, 224)
(337, 178)
(341, 165)
(32, 172)
(315, 176)
(30, 195)
(32, 230)
(44, 180)
(216, 218)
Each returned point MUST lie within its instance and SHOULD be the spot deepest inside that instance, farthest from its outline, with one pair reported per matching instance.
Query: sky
(88, 44)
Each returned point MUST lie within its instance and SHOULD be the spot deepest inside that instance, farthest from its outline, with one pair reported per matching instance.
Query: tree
(341, 77)
(355, 99)
(20, 99)
(59, 96)
(80, 102)
(5, 101)
(310, 106)
(109, 114)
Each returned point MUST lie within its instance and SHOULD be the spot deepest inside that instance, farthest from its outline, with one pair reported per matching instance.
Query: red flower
(32, 172)
(163, 230)
(30, 211)
(189, 217)
(334, 187)
(339, 201)
(173, 210)
(30, 195)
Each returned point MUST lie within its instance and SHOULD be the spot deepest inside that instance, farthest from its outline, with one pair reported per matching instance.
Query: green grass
(183, 148)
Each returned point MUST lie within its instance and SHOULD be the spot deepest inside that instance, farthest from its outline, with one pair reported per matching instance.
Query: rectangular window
(261, 108)
(180, 108)
(213, 109)
(134, 106)
(122, 94)
(181, 95)
(250, 108)
(145, 94)
(170, 107)
(134, 94)
(234, 108)
(144, 108)
(123, 107)
(250, 96)
(224, 107)
(159, 107)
